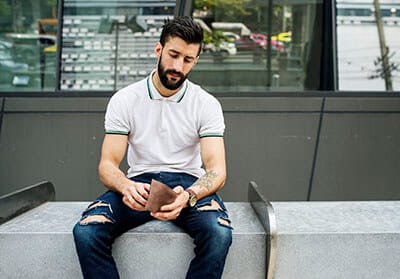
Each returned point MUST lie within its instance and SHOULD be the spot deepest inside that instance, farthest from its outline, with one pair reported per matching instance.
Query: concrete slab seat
(345, 240)
(282, 240)
(39, 244)
(330, 239)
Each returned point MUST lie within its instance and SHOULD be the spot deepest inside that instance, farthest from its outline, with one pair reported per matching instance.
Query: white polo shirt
(164, 133)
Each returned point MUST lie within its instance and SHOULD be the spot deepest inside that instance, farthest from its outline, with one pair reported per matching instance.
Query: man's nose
(178, 65)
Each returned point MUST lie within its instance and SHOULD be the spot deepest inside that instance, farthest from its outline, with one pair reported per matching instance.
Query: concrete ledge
(290, 239)
(18, 202)
(337, 240)
(39, 244)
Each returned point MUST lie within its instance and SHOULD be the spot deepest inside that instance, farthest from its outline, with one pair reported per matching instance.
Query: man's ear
(158, 49)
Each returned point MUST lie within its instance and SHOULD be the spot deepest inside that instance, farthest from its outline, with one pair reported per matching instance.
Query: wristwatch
(192, 198)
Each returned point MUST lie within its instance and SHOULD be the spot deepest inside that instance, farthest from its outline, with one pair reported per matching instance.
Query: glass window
(251, 46)
(361, 65)
(28, 43)
(248, 46)
(107, 45)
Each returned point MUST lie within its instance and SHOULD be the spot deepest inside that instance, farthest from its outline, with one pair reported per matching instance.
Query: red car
(243, 43)
(261, 39)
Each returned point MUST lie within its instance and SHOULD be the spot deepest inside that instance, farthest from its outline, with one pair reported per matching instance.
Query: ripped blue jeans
(207, 223)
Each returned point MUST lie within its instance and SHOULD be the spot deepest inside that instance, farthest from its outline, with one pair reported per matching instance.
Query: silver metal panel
(358, 157)
(70, 104)
(274, 150)
(271, 104)
(366, 104)
(63, 148)
(265, 213)
(269, 140)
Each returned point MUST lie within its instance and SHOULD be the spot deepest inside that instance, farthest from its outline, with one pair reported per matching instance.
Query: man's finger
(127, 202)
(143, 189)
(138, 197)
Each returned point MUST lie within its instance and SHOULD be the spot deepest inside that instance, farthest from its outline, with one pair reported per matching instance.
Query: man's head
(178, 51)
(182, 27)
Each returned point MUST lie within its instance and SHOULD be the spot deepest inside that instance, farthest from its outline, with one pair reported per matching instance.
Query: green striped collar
(155, 95)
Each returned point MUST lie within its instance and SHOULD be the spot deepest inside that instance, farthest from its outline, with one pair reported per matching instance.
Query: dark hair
(183, 27)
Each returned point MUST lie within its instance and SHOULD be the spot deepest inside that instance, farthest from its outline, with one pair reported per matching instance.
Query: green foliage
(216, 37)
(200, 4)
(225, 10)
(52, 3)
(5, 8)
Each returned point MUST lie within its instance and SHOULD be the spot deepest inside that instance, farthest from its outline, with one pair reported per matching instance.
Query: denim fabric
(207, 223)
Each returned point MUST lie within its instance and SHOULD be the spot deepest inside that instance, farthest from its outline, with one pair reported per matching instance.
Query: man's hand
(135, 195)
(171, 211)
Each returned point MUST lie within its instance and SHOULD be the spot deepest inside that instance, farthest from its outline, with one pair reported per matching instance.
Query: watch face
(192, 201)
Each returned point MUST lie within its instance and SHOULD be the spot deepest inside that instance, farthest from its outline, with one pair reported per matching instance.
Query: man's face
(175, 61)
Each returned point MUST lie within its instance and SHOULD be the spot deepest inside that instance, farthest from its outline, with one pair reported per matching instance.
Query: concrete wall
(295, 148)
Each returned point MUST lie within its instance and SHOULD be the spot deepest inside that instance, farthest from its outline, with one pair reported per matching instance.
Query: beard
(174, 83)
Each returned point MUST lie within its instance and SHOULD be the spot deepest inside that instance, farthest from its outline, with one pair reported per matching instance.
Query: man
(172, 127)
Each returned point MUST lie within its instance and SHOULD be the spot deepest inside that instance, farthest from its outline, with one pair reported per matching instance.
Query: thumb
(178, 189)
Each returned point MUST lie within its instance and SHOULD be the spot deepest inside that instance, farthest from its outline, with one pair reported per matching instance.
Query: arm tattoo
(206, 181)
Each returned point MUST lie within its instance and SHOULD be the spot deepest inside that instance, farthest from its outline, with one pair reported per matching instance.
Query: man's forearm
(208, 184)
(112, 177)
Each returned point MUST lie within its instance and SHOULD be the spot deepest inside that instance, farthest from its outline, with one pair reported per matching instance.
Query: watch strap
(191, 193)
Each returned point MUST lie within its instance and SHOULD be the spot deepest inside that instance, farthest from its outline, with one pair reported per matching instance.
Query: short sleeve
(117, 118)
(212, 119)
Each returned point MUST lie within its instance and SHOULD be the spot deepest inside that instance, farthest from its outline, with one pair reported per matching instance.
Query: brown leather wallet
(160, 194)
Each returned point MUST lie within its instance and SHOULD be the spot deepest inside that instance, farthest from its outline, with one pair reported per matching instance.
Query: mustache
(174, 72)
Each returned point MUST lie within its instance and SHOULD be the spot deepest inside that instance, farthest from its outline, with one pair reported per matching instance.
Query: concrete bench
(330, 240)
(337, 240)
(39, 244)
(270, 240)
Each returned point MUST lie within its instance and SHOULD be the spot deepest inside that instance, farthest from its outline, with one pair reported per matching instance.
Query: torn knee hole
(214, 206)
(224, 222)
(95, 218)
(98, 204)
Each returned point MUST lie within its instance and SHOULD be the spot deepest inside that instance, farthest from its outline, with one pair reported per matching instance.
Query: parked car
(262, 40)
(243, 43)
(253, 42)
(225, 48)
(9, 68)
(28, 47)
(284, 37)
(216, 42)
